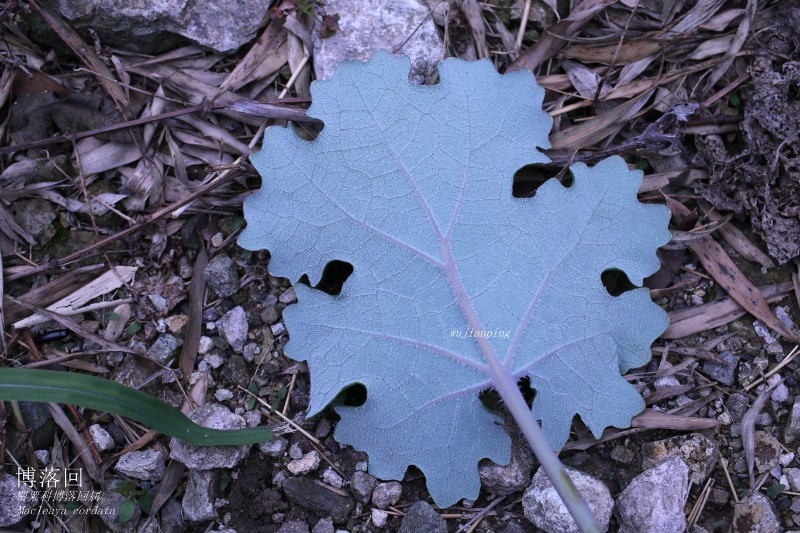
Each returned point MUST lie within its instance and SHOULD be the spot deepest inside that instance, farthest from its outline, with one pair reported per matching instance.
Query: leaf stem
(507, 387)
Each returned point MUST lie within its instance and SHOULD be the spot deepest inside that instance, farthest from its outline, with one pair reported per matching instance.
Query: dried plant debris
(760, 178)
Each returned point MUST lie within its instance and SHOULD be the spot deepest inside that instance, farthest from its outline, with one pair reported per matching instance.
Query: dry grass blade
(691, 320)
(2, 314)
(472, 11)
(169, 483)
(727, 274)
(657, 420)
(700, 504)
(796, 286)
(695, 353)
(116, 326)
(85, 53)
(195, 321)
(555, 37)
(50, 292)
(627, 53)
(266, 56)
(598, 128)
(74, 327)
(109, 281)
(702, 11)
(737, 239)
(749, 429)
(66, 425)
(742, 33)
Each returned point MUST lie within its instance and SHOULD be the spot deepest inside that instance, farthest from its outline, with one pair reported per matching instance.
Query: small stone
(323, 428)
(306, 493)
(142, 464)
(172, 518)
(198, 502)
(164, 348)
(108, 508)
(279, 478)
(221, 276)
(379, 518)
(792, 431)
(288, 296)
(306, 464)
(737, 404)
(513, 477)
(786, 459)
(763, 332)
(274, 448)
(236, 372)
(422, 518)
(755, 515)
(211, 416)
(655, 499)
(718, 497)
(177, 324)
(666, 382)
(362, 485)
(294, 526)
(223, 394)
(543, 506)
(15, 499)
(210, 314)
(217, 239)
(749, 371)
(295, 452)
(214, 359)
(184, 268)
(204, 345)
(270, 315)
(783, 316)
(781, 392)
(371, 25)
(767, 451)
(724, 372)
(622, 455)
(513, 527)
(43, 456)
(793, 475)
(332, 478)
(250, 351)
(155, 27)
(325, 525)
(101, 438)
(34, 215)
(278, 329)
(158, 301)
(233, 328)
(251, 418)
(698, 452)
(386, 494)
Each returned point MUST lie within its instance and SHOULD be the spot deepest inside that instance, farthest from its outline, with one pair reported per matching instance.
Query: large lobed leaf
(412, 186)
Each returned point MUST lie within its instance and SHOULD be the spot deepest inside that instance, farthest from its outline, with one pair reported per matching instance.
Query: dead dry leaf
(727, 274)
(110, 281)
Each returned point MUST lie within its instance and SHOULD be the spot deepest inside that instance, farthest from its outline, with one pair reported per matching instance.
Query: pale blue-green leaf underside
(412, 185)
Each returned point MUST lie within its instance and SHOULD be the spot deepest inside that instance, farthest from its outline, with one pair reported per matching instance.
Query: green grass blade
(105, 395)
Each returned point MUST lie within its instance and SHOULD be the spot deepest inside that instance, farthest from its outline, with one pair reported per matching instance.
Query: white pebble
(379, 517)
